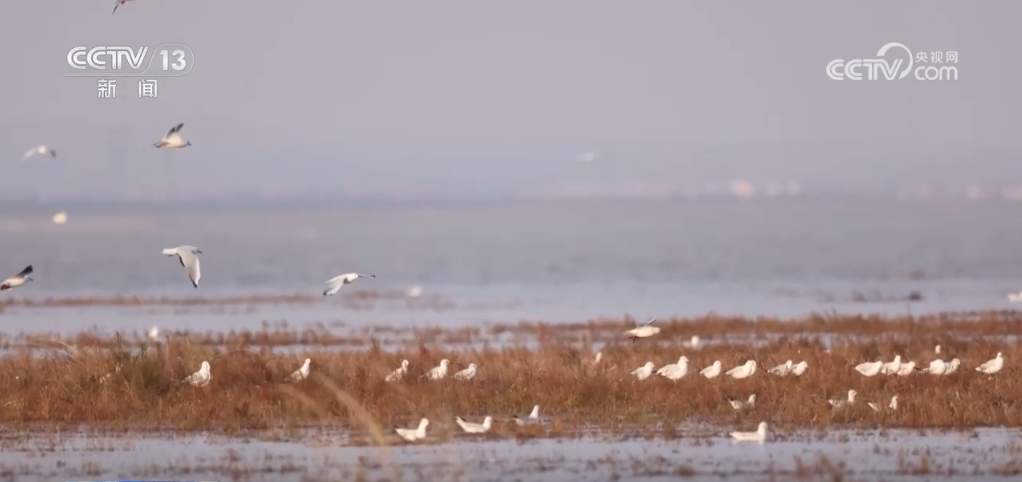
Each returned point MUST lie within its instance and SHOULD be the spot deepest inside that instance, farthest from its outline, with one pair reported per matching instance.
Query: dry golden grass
(54, 389)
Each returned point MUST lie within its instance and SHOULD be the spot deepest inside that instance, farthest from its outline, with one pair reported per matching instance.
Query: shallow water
(981, 454)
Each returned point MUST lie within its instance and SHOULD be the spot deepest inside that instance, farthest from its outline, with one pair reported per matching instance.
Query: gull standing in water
(301, 373)
(470, 427)
(799, 368)
(675, 371)
(712, 371)
(189, 258)
(334, 284)
(739, 405)
(440, 371)
(42, 150)
(17, 280)
(413, 434)
(760, 435)
(467, 374)
(398, 373)
(838, 403)
(892, 367)
(992, 366)
(745, 370)
(532, 417)
(200, 378)
(173, 139)
(644, 371)
(644, 331)
(783, 369)
(870, 369)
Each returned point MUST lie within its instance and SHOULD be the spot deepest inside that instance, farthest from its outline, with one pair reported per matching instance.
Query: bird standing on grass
(870, 369)
(675, 371)
(992, 366)
(440, 371)
(414, 434)
(644, 371)
(398, 373)
(799, 368)
(189, 258)
(712, 371)
(475, 428)
(467, 374)
(892, 367)
(200, 378)
(744, 370)
(740, 405)
(783, 369)
(17, 280)
(334, 284)
(301, 373)
(839, 403)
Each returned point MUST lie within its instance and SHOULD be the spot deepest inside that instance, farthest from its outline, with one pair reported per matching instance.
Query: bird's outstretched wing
(25, 272)
(175, 129)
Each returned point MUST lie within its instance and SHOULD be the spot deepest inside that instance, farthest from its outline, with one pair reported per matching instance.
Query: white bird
(532, 417)
(467, 374)
(870, 369)
(189, 258)
(906, 369)
(892, 367)
(413, 291)
(41, 150)
(118, 3)
(154, 333)
(1015, 297)
(200, 378)
(470, 427)
(783, 369)
(937, 367)
(334, 284)
(712, 371)
(739, 405)
(17, 280)
(398, 373)
(760, 435)
(799, 368)
(993, 365)
(894, 403)
(693, 342)
(644, 371)
(644, 331)
(173, 139)
(440, 371)
(597, 358)
(839, 403)
(413, 434)
(745, 370)
(59, 218)
(301, 373)
(952, 366)
(936, 349)
(675, 371)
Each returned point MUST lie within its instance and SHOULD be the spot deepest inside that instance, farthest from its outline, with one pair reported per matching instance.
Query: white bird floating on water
(467, 374)
(189, 258)
(739, 405)
(892, 367)
(644, 371)
(440, 371)
(675, 371)
(532, 417)
(470, 427)
(745, 370)
(870, 369)
(783, 369)
(993, 365)
(173, 139)
(839, 403)
(334, 284)
(414, 434)
(17, 280)
(712, 371)
(799, 368)
(301, 373)
(200, 378)
(644, 331)
(906, 369)
(760, 435)
(153, 333)
(59, 218)
(398, 373)
(41, 150)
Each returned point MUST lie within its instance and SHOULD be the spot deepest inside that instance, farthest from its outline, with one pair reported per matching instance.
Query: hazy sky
(468, 98)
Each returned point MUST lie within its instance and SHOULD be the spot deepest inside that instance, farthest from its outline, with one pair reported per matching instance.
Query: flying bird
(398, 373)
(474, 428)
(760, 435)
(200, 378)
(644, 371)
(189, 258)
(712, 371)
(414, 434)
(993, 365)
(173, 139)
(118, 3)
(41, 150)
(59, 218)
(334, 284)
(440, 371)
(301, 373)
(745, 370)
(644, 331)
(740, 405)
(17, 280)
(466, 374)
